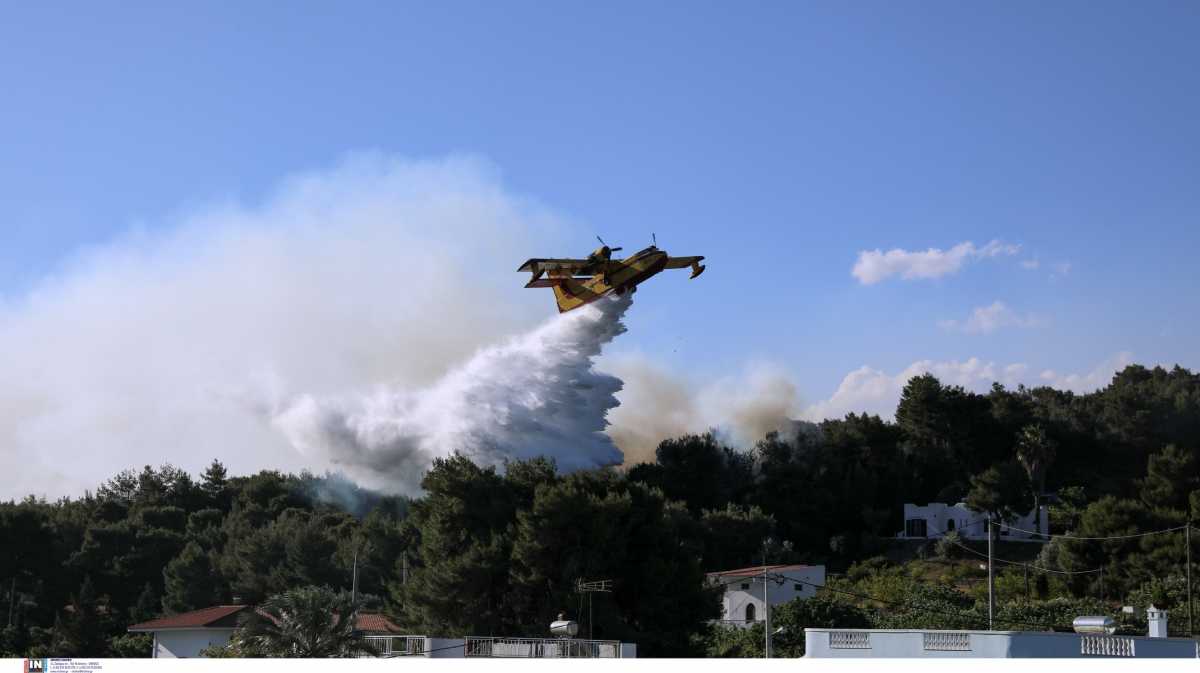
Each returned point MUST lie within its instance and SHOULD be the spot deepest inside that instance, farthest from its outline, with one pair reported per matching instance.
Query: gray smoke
(536, 394)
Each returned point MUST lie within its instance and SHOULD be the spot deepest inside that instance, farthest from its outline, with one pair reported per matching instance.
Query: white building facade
(742, 603)
(938, 518)
(926, 644)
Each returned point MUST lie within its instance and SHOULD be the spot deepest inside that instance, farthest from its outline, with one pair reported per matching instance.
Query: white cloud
(874, 391)
(876, 265)
(176, 346)
(1061, 269)
(1098, 377)
(988, 319)
(1030, 264)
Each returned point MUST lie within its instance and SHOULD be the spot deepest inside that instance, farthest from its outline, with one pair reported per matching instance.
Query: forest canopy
(489, 551)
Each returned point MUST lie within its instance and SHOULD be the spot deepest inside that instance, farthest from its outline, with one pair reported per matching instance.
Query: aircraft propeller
(606, 245)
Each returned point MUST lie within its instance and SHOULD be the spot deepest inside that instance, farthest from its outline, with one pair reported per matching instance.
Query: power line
(1017, 563)
(962, 615)
(1027, 565)
(1082, 537)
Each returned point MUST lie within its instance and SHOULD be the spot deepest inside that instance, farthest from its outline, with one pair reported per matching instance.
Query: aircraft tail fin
(571, 294)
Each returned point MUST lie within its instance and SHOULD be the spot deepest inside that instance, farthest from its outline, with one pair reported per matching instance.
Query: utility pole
(354, 580)
(12, 599)
(1187, 543)
(766, 611)
(991, 579)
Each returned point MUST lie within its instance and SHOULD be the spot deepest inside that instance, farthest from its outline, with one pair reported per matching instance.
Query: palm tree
(1036, 452)
(310, 622)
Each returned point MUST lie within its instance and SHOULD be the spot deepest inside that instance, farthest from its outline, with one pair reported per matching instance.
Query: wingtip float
(577, 282)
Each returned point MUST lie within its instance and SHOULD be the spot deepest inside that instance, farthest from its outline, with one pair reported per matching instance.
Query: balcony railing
(543, 648)
(397, 646)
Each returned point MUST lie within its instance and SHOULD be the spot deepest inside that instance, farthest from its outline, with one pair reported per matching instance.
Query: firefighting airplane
(581, 281)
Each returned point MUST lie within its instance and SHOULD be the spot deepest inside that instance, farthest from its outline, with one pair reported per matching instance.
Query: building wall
(186, 643)
(455, 648)
(735, 600)
(875, 643)
(970, 524)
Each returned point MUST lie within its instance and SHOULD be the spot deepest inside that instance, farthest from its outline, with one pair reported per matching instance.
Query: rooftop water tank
(564, 628)
(1095, 624)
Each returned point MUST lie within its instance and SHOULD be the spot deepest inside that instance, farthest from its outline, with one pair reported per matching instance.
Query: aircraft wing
(543, 265)
(682, 262)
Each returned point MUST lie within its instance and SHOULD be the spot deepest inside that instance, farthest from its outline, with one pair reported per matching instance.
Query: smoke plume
(657, 403)
(176, 342)
(537, 394)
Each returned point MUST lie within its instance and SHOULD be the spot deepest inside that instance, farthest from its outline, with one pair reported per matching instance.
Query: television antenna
(589, 588)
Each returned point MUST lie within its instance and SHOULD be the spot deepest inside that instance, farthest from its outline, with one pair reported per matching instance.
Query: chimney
(1158, 622)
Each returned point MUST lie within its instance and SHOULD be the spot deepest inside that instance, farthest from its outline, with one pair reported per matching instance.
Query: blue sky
(779, 139)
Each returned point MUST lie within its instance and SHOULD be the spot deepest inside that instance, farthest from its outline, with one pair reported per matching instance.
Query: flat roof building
(920, 643)
(190, 633)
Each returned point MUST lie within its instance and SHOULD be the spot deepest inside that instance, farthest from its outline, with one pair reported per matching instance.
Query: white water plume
(537, 394)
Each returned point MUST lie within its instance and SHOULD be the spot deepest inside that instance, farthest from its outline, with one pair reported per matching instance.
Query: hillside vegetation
(498, 552)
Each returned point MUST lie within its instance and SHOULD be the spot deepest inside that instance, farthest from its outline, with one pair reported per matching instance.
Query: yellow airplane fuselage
(573, 288)
(622, 276)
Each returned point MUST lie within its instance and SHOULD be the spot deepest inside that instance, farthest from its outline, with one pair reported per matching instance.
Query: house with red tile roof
(188, 633)
(746, 589)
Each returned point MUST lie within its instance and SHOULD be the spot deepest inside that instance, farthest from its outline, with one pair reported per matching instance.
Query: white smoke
(174, 343)
(536, 394)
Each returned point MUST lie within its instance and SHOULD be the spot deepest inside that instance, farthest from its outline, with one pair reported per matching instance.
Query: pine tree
(215, 485)
(190, 581)
(147, 605)
(80, 632)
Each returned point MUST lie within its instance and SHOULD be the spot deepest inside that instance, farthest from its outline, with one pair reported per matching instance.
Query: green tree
(459, 576)
(214, 483)
(732, 642)
(308, 622)
(190, 581)
(1002, 491)
(147, 605)
(823, 611)
(1036, 452)
(80, 632)
(733, 536)
(131, 646)
(593, 528)
(1171, 477)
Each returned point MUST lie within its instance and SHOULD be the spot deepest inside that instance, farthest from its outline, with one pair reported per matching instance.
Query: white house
(970, 644)
(186, 634)
(937, 518)
(742, 602)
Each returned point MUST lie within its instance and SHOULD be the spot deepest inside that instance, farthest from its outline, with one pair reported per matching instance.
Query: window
(797, 588)
(750, 612)
(914, 528)
(745, 586)
(950, 525)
